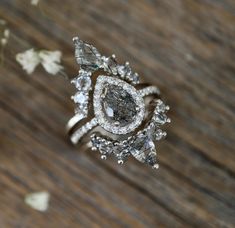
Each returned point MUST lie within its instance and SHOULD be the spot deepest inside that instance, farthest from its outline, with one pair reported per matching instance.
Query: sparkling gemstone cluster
(83, 85)
(141, 146)
(119, 108)
(90, 59)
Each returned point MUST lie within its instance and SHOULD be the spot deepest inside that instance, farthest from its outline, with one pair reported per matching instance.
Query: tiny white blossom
(6, 33)
(38, 200)
(3, 41)
(2, 22)
(28, 60)
(50, 60)
(34, 2)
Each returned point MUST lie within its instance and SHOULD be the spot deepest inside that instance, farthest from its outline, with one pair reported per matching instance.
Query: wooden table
(187, 48)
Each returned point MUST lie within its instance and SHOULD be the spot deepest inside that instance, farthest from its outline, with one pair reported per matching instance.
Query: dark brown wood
(187, 48)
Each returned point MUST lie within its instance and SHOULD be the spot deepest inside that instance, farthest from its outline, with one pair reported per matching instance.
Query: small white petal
(38, 200)
(28, 60)
(50, 56)
(50, 60)
(2, 22)
(34, 2)
(52, 67)
(6, 33)
(3, 41)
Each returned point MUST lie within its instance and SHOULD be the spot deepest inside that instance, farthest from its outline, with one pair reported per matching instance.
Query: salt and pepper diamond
(87, 56)
(118, 106)
(142, 146)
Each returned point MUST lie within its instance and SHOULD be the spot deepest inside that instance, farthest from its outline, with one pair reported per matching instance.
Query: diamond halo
(103, 81)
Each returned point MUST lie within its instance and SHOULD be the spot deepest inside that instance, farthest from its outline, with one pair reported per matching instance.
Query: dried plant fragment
(34, 2)
(38, 200)
(50, 60)
(28, 60)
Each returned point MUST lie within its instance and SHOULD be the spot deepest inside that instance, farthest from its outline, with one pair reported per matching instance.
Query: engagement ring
(115, 113)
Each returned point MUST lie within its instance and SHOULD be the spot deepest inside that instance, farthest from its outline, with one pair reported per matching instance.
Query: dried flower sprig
(34, 2)
(4, 37)
(50, 60)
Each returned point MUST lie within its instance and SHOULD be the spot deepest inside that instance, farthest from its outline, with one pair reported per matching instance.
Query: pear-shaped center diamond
(118, 105)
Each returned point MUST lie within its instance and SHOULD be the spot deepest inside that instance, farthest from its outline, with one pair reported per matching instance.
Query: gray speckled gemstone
(118, 105)
(83, 82)
(142, 147)
(87, 55)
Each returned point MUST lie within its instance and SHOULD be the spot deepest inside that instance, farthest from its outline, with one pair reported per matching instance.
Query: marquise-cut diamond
(141, 147)
(87, 55)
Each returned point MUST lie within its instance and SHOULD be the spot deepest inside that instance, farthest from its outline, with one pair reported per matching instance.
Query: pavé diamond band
(120, 115)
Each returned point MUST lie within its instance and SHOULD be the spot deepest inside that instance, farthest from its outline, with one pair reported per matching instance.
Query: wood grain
(185, 47)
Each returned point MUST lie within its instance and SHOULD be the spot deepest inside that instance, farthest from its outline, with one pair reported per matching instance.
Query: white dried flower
(34, 2)
(3, 41)
(2, 22)
(28, 60)
(50, 60)
(38, 200)
(6, 33)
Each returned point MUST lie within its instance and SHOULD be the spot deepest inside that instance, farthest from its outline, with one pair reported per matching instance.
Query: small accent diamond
(159, 134)
(124, 70)
(160, 118)
(134, 77)
(82, 82)
(109, 64)
(80, 97)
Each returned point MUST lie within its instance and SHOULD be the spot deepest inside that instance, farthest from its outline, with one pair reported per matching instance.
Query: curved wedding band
(115, 102)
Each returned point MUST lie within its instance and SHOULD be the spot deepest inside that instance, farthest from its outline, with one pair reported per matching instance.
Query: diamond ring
(116, 113)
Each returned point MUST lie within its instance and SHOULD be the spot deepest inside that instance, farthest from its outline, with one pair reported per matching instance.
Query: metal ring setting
(112, 108)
